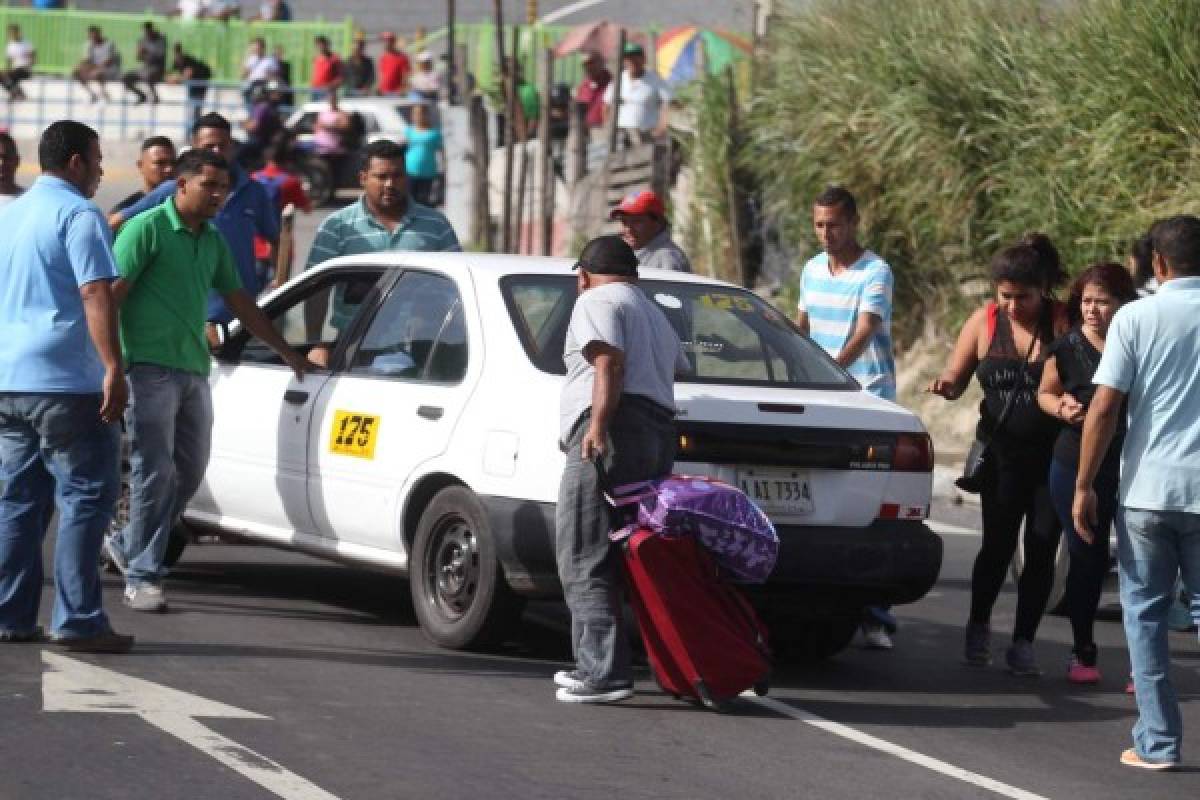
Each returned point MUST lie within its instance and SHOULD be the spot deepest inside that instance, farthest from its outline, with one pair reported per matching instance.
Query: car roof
(492, 267)
(360, 102)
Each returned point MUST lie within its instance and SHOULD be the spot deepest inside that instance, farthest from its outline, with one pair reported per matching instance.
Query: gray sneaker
(978, 650)
(583, 693)
(146, 598)
(1019, 658)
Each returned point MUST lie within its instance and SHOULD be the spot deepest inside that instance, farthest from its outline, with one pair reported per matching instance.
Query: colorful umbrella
(679, 52)
(595, 37)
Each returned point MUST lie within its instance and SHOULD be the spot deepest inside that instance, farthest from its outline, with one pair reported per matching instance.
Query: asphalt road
(358, 703)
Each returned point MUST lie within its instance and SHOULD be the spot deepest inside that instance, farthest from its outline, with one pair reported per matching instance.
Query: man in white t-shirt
(642, 110)
(21, 57)
(617, 408)
(258, 68)
(101, 63)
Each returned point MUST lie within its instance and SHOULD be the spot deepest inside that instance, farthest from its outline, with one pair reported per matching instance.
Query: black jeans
(1016, 491)
(1089, 562)
(641, 447)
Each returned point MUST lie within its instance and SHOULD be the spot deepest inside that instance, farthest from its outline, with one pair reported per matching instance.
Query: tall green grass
(960, 124)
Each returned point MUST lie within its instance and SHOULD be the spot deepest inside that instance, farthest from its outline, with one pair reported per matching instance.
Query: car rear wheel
(1056, 604)
(458, 589)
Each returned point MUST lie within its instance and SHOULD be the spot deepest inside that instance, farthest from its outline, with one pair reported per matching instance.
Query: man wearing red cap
(644, 228)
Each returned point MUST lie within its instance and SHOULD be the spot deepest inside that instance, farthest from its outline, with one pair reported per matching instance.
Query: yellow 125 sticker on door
(354, 434)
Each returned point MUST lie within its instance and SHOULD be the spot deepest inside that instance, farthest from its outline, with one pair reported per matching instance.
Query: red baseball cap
(641, 202)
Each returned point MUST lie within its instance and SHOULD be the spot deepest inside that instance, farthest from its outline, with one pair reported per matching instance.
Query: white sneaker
(875, 637)
(568, 679)
(146, 598)
(586, 694)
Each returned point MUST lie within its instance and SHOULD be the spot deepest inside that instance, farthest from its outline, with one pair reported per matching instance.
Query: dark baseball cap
(608, 255)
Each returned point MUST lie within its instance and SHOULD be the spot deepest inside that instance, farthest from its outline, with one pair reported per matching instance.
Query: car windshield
(730, 336)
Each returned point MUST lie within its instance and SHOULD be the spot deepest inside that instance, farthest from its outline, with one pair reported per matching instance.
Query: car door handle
(295, 396)
(430, 412)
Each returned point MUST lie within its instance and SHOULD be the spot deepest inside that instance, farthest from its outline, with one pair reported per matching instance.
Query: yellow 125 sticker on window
(354, 434)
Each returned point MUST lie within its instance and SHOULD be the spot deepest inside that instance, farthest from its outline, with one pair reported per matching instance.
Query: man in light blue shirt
(248, 209)
(62, 389)
(1150, 356)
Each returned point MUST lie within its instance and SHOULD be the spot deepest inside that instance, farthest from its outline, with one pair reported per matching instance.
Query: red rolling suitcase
(702, 636)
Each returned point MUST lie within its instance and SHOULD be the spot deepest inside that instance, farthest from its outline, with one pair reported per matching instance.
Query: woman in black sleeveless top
(1005, 345)
(1065, 394)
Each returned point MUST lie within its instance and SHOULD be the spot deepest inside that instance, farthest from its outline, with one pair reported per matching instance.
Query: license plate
(778, 491)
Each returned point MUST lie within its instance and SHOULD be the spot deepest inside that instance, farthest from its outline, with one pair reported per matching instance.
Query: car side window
(314, 320)
(418, 334)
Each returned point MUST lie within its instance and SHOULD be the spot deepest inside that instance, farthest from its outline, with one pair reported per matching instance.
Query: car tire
(317, 179)
(1056, 603)
(461, 599)
(815, 639)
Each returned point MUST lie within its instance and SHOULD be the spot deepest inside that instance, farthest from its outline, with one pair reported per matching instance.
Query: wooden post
(510, 117)
(462, 68)
(452, 91)
(545, 161)
(616, 96)
(731, 193)
(480, 212)
(577, 141)
(498, 6)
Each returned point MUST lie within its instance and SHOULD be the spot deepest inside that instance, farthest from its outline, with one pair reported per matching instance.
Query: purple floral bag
(720, 516)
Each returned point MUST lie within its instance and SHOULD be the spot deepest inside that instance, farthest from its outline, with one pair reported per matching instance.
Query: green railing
(59, 37)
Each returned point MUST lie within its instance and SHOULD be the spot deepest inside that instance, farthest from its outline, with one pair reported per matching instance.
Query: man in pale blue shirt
(62, 389)
(1150, 357)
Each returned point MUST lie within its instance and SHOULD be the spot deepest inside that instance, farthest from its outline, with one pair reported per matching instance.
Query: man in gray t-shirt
(617, 409)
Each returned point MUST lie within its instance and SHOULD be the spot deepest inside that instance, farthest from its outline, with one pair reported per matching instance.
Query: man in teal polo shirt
(1150, 360)
(384, 218)
(169, 259)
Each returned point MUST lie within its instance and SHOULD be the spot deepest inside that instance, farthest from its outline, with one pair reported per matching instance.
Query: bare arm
(120, 291)
(802, 322)
(1054, 400)
(101, 314)
(864, 329)
(1098, 431)
(963, 361)
(609, 363)
(245, 309)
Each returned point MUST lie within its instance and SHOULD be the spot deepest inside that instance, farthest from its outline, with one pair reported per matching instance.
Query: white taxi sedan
(430, 448)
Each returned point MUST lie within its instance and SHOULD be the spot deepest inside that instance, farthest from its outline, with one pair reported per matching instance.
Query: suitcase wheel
(705, 697)
(761, 688)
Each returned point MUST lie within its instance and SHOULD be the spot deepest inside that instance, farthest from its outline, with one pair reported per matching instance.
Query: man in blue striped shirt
(846, 296)
(846, 308)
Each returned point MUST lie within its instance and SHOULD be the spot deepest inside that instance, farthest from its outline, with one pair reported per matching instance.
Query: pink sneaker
(1078, 672)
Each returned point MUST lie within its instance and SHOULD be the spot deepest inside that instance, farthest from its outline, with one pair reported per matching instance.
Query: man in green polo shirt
(169, 259)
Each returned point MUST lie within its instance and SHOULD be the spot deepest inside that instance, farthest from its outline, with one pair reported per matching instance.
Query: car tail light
(913, 453)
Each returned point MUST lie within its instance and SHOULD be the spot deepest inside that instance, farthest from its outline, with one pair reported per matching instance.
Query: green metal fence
(60, 38)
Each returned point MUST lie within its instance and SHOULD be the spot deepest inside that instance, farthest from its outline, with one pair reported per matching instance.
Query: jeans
(1089, 562)
(1016, 492)
(170, 415)
(641, 447)
(55, 452)
(1152, 548)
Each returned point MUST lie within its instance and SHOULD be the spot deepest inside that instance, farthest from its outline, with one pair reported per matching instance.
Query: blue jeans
(170, 415)
(1152, 548)
(55, 452)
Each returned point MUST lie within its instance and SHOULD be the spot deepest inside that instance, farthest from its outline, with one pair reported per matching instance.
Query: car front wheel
(458, 589)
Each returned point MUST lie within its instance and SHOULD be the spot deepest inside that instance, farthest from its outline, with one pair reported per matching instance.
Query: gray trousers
(641, 446)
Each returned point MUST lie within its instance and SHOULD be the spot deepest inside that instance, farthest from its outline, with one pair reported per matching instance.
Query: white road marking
(884, 746)
(566, 11)
(75, 686)
(947, 529)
